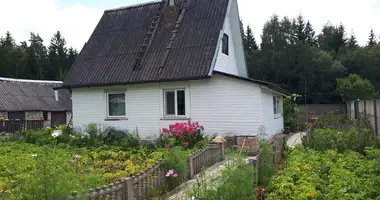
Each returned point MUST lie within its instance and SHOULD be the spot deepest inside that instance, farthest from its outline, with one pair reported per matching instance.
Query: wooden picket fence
(12, 126)
(141, 185)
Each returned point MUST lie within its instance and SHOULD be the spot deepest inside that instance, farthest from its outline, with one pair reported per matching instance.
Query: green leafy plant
(176, 166)
(267, 165)
(327, 175)
(229, 185)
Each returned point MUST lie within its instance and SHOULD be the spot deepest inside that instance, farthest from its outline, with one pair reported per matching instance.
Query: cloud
(357, 16)
(76, 21)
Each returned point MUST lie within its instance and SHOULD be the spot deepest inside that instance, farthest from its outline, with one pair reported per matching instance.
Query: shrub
(355, 139)
(267, 165)
(39, 137)
(185, 134)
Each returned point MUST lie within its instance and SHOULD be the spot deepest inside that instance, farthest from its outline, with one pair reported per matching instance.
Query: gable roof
(32, 95)
(108, 58)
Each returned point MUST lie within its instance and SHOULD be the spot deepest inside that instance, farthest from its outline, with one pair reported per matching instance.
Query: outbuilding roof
(32, 95)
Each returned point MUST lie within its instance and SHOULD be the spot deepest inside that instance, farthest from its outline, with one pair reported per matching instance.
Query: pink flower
(167, 146)
(202, 128)
(170, 172)
(196, 135)
(189, 122)
(71, 161)
(180, 134)
(161, 135)
(190, 129)
(196, 123)
(175, 175)
(171, 126)
(186, 144)
(165, 130)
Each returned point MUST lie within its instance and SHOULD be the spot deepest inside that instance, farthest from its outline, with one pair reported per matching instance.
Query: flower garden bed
(51, 164)
(28, 170)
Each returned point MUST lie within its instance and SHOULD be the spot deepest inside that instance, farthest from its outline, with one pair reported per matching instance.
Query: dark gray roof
(109, 56)
(33, 96)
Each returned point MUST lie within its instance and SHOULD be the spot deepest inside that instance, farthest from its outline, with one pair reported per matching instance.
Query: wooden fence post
(129, 189)
(221, 151)
(191, 166)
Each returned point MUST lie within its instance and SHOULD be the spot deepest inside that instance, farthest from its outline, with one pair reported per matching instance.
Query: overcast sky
(76, 19)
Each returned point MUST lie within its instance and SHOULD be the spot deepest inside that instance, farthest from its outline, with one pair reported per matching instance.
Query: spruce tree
(372, 39)
(301, 28)
(352, 42)
(310, 34)
(250, 41)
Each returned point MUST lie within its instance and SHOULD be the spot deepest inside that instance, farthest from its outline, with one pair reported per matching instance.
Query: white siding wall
(221, 104)
(273, 124)
(227, 63)
(234, 62)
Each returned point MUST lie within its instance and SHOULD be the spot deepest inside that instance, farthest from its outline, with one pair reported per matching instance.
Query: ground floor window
(116, 105)
(174, 103)
(277, 105)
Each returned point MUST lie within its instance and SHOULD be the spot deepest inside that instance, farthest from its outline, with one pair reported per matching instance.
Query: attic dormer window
(225, 44)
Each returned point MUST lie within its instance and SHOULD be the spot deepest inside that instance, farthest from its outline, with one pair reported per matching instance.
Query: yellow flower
(311, 194)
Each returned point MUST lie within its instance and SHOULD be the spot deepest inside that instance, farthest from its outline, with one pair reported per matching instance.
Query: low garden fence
(12, 126)
(141, 185)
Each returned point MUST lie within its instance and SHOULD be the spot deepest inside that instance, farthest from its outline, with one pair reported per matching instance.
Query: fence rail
(139, 186)
(12, 126)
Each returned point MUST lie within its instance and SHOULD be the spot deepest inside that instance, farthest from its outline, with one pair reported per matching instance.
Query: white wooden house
(149, 65)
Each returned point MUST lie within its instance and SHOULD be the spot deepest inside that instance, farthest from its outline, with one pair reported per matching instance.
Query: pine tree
(372, 39)
(37, 61)
(250, 41)
(300, 28)
(352, 42)
(57, 53)
(310, 34)
(7, 42)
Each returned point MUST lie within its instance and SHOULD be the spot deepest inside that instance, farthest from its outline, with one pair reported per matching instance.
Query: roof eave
(131, 83)
(267, 84)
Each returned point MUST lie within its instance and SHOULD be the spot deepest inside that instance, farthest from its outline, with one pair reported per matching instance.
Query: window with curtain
(116, 105)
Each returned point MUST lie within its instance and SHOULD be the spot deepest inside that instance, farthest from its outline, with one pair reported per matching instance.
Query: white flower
(84, 135)
(77, 156)
(56, 133)
(34, 155)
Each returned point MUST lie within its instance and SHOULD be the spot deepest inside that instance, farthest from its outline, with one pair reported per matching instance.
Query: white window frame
(175, 102)
(107, 105)
(277, 107)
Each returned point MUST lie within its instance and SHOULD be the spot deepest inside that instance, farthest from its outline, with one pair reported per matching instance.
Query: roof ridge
(133, 6)
(3, 79)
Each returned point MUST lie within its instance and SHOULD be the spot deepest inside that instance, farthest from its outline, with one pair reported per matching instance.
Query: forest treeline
(297, 58)
(291, 54)
(33, 60)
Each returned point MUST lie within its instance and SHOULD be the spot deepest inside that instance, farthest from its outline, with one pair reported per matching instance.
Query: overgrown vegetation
(339, 159)
(335, 133)
(328, 175)
(230, 185)
(51, 163)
